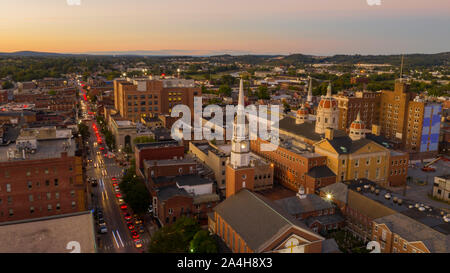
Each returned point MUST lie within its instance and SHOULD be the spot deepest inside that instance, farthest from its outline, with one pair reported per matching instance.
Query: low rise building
(441, 187)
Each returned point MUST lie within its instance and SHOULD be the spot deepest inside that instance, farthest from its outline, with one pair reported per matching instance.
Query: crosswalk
(125, 244)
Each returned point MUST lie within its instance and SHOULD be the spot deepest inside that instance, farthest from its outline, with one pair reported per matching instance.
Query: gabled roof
(414, 231)
(165, 193)
(257, 219)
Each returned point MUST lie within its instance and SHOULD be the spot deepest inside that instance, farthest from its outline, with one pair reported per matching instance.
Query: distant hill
(34, 54)
(414, 60)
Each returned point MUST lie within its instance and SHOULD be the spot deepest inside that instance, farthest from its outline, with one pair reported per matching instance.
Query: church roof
(257, 219)
(345, 145)
(306, 129)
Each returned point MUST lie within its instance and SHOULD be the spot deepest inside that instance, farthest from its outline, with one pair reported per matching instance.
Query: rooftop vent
(372, 188)
(421, 209)
(394, 199)
(387, 196)
(366, 186)
(358, 188)
(399, 202)
(377, 191)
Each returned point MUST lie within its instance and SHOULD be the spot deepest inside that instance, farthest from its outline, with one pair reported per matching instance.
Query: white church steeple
(309, 97)
(240, 146)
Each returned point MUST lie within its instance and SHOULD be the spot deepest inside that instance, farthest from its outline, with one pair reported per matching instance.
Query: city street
(118, 237)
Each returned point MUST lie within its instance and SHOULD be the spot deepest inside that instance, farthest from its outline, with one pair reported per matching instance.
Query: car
(129, 222)
(141, 229)
(95, 165)
(130, 226)
(98, 152)
(121, 201)
(103, 229)
(137, 221)
(119, 195)
(113, 179)
(134, 235)
(101, 222)
(127, 216)
(116, 189)
(94, 183)
(138, 243)
(123, 206)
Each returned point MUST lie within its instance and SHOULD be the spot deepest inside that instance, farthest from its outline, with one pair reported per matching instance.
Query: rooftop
(306, 129)
(168, 192)
(420, 212)
(49, 234)
(412, 230)
(295, 205)
(45, 149)
(258, 220)
(159, 144)
(168, 162)
(320, 171)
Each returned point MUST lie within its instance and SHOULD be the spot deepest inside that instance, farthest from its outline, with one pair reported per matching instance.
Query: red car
(118, 195)
(134, 234)
(113, 179)
(115, 185)
(127, 216)
(130, 226)
(124, 207)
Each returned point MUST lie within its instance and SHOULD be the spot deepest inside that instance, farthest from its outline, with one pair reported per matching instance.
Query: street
(118, 237)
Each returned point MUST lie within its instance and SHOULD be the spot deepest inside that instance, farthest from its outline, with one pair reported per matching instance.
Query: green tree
(52, 92)
(225, 90)
(83, 129)
(174, 238)
(263, 92)
(7, 85)
(203, 243)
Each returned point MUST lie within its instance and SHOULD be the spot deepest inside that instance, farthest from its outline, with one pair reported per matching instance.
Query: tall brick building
(135, 97)
(40, 176)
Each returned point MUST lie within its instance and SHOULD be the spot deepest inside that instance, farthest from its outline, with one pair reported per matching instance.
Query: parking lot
(421, 184)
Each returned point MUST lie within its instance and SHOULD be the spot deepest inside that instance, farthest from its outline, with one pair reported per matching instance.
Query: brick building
(157, 151)
(249, 223)
(366, 103)
(135, 97)
(294, 167)
(41, 176)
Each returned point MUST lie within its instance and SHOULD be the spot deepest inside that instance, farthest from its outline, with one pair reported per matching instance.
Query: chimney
(329, 133)
(375, 129)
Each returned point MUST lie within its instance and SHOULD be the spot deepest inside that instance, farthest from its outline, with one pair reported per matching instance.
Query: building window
(56, 182)
(8, 187)
(404, 246)
(11, 212)
(30, 185)
(72, 194)
(30, 198)
(58, 206)
(73, 204)
(170, 211)
(49, 207)
(49, 195)
(31, 210)
(356, 162)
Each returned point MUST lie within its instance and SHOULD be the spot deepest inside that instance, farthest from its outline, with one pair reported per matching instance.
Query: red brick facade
(38, 188)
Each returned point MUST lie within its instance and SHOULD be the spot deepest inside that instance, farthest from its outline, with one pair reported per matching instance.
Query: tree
(83, 129)
(7, 85)
(263, 92)
(203, 243)
(225, 90)
(174, 238)
(136, 194)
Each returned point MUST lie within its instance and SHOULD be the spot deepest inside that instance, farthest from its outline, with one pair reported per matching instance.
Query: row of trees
(136, 194)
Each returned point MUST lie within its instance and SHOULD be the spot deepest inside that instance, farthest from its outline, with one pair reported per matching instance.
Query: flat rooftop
(49, 234)
(168, 162)
(429, 216)
(159, 144)
(46, 149)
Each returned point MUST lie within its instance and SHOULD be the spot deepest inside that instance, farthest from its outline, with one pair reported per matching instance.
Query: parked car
(141, 229)
(138, 243)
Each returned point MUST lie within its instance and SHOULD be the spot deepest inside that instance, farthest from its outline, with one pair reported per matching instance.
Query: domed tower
(302, 115)
(327, 113)
(357, 129)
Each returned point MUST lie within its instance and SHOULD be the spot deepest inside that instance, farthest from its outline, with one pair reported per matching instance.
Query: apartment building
(136, 97)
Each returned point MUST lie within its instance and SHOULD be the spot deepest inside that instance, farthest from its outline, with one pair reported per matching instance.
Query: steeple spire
(329, 90)
(309, 97)
(358, 117)
(241, 94)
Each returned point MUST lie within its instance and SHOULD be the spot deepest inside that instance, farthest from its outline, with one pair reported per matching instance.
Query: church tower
(309, 96)
(302, 115)
(357, 129)
(327, 113)
(239, 173)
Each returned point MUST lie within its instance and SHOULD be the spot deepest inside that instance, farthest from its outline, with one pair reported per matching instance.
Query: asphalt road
(118, 237)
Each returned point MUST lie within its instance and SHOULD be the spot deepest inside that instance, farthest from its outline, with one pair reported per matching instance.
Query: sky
(202, 27)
